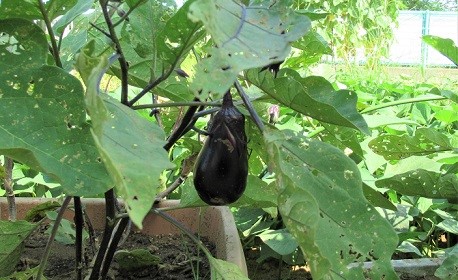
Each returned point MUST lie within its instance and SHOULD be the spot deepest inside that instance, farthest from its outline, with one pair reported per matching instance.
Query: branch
(52, 38)
(8, 185)
(121, 59)
(249, 106)
(126, 15)
(175, 104)
(44, 258)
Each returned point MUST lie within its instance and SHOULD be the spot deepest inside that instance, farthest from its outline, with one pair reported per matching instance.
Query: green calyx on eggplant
(221, 169)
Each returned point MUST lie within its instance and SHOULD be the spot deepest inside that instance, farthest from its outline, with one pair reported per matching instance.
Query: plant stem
(403, 101)
(113, 246)
(126, 15)
(108, 230)
(79, 223)
(52, 38)
(121, 58)
(175, 104)
(184, 124)
(8, 185)
(44, 258)
(246, 100)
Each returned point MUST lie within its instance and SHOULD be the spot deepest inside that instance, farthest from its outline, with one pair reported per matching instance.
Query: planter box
(413, 268)
(215, 222)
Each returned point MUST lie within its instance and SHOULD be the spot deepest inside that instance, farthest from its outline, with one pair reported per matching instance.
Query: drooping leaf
(425, 141)
(28, 274)
(312, 46)
(244, 37)
(12, 235)
(130, 146)
(25, 9)
(224, 270)
(80, 7)
(281, 241)
(422, 183)
(313, 96)
(449, 225)
(321, 195)
(445, 46)
(43, 123)
(377, 199)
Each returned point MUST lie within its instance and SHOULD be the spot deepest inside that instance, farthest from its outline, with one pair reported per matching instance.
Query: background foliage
(349, 167)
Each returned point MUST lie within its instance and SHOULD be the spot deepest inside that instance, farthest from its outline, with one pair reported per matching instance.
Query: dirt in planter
(178, 258)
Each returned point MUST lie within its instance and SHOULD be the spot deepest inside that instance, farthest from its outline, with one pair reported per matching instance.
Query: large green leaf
(28, 274)
(422, 183)
(12, 235)
(43, 121)
(245, 37)
(313, 96)
(445, 46)
(425, 141)
(323, 206)
(131, 147)
(25, 9)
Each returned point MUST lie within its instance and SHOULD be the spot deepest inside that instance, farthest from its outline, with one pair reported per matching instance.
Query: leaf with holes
(312, 96)
(43, 121)
(423, 183)
(131, 147)
(445, 46)
(320, 194)
(244, 37)
(425, 141)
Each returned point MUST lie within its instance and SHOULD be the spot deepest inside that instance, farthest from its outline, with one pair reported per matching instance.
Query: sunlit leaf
(131, 147)
(422, 183)
(312, 96)
(321, 195)
(245, 37)
(445, 46)
(43, 123)
(425, 141)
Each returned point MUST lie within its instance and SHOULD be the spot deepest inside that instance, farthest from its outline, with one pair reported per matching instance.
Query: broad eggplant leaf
(312, 96)
(421, 182)
(80, 7)
(25, 9)
(425, 141)
(43, 123)
(320, 194)
(12, 235)
(130, 146)
(445, 46)
(244, 37)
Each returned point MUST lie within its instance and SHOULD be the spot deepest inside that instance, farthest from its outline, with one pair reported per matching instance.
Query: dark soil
(179, 258)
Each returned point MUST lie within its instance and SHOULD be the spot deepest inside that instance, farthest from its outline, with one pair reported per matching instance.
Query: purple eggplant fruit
(221, 168)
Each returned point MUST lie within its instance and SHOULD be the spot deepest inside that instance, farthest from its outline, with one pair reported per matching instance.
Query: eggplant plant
(96, 95)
